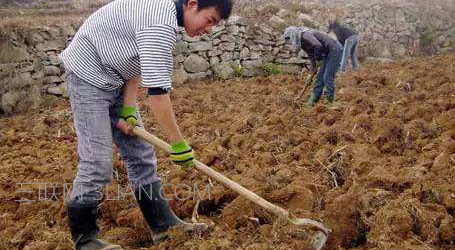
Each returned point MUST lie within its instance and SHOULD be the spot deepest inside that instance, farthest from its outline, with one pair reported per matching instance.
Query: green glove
(128, 114)
(182, 154)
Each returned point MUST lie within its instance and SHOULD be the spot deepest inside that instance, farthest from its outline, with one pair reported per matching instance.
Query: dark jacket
(318, 45)
(342, 32)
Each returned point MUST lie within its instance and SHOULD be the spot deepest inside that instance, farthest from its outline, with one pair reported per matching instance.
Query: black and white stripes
(124, 39)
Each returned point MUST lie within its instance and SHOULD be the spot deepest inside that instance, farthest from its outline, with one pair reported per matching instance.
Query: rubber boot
(159, 216)
(329, 100)
(82, 222)
(313, 100)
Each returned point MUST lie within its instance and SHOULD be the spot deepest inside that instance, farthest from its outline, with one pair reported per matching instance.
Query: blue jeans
(95, 113)
(350, 51)
(326, 74)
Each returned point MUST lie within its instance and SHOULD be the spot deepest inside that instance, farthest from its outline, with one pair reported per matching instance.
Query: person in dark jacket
(320, 47)
(350, 41)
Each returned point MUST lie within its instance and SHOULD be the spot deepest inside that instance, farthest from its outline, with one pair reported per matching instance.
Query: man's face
(199, 22)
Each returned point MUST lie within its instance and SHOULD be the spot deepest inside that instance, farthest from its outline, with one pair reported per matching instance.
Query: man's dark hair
(224, 7)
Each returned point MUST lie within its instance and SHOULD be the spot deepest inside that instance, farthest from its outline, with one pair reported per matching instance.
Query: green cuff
(180, 146)
(128, 111)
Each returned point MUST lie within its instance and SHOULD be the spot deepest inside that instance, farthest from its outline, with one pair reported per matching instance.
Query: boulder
(244, 53)
(197, 76)
(224, 70)
(227, 56)
(277, 22)
(181, 47)
(60, 90)
(10, 53)
(10, 100)
(226, 46)
(179, 76)
(195, 63)
(252, 67)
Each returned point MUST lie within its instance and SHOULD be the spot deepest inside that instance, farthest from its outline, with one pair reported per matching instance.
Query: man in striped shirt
(124, 45)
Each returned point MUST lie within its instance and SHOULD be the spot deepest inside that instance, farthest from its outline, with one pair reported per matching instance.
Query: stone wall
(396, 30)
(234, 48)
(30, 68)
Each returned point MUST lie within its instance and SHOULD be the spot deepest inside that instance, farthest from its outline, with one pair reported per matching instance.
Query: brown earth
(378, 168)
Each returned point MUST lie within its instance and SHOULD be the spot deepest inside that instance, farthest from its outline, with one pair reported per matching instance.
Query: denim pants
(326, 74)
(350, 51)
(95, 113)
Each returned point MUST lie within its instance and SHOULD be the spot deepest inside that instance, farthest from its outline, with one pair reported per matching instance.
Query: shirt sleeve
(155, 45)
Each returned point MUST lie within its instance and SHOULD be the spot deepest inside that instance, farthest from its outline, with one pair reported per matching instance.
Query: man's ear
(192, 4)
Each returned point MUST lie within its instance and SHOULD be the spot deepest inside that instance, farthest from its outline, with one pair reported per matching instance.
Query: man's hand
(128, 119)
(182, 154)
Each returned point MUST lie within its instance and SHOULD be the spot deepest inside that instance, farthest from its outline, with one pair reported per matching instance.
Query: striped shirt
(125, 39)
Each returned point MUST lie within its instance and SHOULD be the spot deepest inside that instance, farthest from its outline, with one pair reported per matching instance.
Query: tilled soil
(378, 168)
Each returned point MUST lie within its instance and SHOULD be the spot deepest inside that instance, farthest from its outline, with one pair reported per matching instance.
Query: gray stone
(305, 18)
(227, 38)
(277, 22)
(180, 58)
(225, 46)
(214, 61)
(32, 38)
(38, 74)
(265, 29)
(197, 76)
(216, 41)
(21, 80)
(267, 58)
(206, 38)
(258, 47)
(236, 55)
(293, 60)
(181, 47)
(224, 70)
(275, 51)
(55, 60)
(50, 46)
(237, 20)
(10, 100)
(245, 53)
(264, 42)
(202, 53)
(252, 67)
(195, 63)
(283, 13)
(217, 31)
(215, 52)
(179, 76)
(283, 56)
(191, 39)
(290, 68)
(255, 55)
(51, 71)
(233, 30)
(200, 46)
(60, 90)
(227, 56)
(52, 80)
(10, 53)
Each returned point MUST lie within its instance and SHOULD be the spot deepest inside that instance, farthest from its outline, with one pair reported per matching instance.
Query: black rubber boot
(82, 222)
(159, 216)
(313, 100)
(329, 100)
